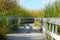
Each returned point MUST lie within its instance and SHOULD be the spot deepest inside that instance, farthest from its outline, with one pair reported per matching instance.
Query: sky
(34, 4)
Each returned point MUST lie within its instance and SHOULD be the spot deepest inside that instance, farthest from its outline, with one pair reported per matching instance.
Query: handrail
(50, 21)
(53, 35)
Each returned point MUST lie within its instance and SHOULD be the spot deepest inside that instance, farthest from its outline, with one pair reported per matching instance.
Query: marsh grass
(58, 31)
(52, 10)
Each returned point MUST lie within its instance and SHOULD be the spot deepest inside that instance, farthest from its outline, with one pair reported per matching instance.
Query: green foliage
(52, 10)
(15, 23)
(10, 9)
(58, 30)
(3, 24)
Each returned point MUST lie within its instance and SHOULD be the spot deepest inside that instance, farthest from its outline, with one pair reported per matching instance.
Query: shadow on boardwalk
(27, 29)
(26, 33)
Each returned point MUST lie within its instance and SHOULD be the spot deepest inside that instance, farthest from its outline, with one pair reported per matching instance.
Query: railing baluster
(42, 24)
(44, 31)
(52, 29)
(19, 21)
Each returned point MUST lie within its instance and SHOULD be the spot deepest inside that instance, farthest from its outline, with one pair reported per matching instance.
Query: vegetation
(58, 30)
(4, 29)
(53, 9)
(11, 8)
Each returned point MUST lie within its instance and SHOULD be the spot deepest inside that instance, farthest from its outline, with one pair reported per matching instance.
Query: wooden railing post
(52, 29)
(50, 26)
(19, 21)
(44, 31)
(42, 24)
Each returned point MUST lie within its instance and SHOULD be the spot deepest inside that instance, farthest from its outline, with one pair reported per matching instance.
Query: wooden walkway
(26, 34)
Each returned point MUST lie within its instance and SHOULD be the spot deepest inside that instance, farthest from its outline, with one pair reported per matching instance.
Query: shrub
(4, 29)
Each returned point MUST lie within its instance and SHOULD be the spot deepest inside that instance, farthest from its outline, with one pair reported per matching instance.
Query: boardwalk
(26, 33)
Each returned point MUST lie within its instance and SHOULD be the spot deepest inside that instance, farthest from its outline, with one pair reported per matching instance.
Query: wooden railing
(53, 23)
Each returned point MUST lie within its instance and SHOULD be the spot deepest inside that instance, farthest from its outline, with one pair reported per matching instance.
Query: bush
(4, 29)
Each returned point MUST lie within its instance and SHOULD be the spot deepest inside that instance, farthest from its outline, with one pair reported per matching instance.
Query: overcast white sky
(34, 4)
